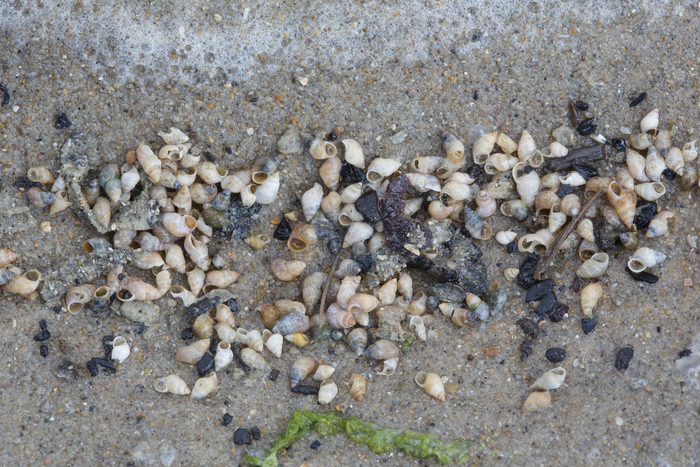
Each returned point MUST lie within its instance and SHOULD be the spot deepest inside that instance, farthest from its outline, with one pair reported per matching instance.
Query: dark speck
(580, 105)
(619, 144)
(205, 364)
(92, 368)
(241, 436)
(233, 305)
(512, 247)
(558, 311)
(42, 336)
(624, 357)
(44, 350)
(476, 95)
(564, 190)
(332, 136)
(140, 329)
(61, 121)
(586, 127)
(684, 353)
(529, 327)
(57, 310)
(226, 420)
(42, 325)
(315, 445)
(643, 276)
(283, 230)
(525, 349)
(255, 431)
(228, 150)
(273, 375)
(588, 325)
(5, 95)
(555, 354)
(305, 390)
(539, 290)
(658, 328)
(528, 169)
(208, 156)
(638, 100)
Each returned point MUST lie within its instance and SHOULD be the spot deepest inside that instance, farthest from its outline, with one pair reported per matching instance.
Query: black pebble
(57, 310)
(42, 336)
(684, 353)
(233, 305)
(580, 105)
(332, 136)
(241, 436)
(255, 431)
(109, 366)
(228, 150)
(619, 144)
(587, 171)
(273, 375)
(669, 174)
(107, 346)
(305, 390)
(529, 327)
(638, 100)
(646, 210)
(201, 307)
(586, 127)
(5, 95)
(44, 350)
(42, 325)
(366, 262)
(349, 174)
(205, 364)
(564, 190)
(546, 304)
(214, 344)
(528, 169)
(315, 445)
(140, 329)
(476, 95)
(283, 230)
(92, 368)
(525, 278)
(558, 311)
(61, 121)
(187, 334)
(555, 355)
(525, 349)
(512, 247)
(539, 290)
(367, 206)
(588, 325)
(624, 357)
(643, 276)
(226, 420)
(208, 156)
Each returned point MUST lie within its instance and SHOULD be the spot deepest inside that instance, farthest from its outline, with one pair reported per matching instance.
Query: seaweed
(378, 439)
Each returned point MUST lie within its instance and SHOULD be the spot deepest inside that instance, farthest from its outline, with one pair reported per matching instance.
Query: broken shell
(175, 136)
(291, 323)
(321, 149)
(338, 317)
(311, 289)
(289, 306)
(353, 153)
(573, 179)
(149, 162)
(193, 352)
(483, 147)
(506, 143)
(537, 401)
(330, 172)
(382, 350)
(690, 152)
(590, 296)
(650, 121)
(511, 273)
(77, 297)
(300, 370)
(624, 201)
(537, 243)
(432, 384)
(594, 267)
(323, 372)
(302, 235)
(516, 209)
(224, 259)
(553, 379)
(486, 204)
(96, 245)
(659, 224)
(357, 340)
(142, 290)
(357, 387)
(650, 191)
(389, 367)
(204, 386)
(120, 349)
(172, 384)
(387, 292)
(327, 392)
(287, 270)
(416, 325)
(424, 165)
(585, 229)
(61, 202)
(220, 279)
(644, 258)
(8, 272)
(183, 294)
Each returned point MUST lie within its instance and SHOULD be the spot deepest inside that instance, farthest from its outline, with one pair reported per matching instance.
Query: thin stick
(326, 286)
(554, 248)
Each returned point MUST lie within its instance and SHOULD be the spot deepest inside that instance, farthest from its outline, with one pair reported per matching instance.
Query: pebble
(512, 247)
(283, 230)
(205, 364)
(588, 325)
(233, 305)
(643, 276)
(525, 349)
(45, 226)
(315, 445)
(398, 138)
(92, 368)
(305, 390)
(619, 421)
(529, 327)
(539, 290)
(42, 325)
(42, 336)
(491, 351)
(241, 436)
(624, 357)
(546, 304)
(688, 282)
(226, 420)
(525, 278)
(255, 431)
(273, 375)
(558, 311)
(564, 190)
(44, 350)
(684, 353)
(303, 80)
(555, 354)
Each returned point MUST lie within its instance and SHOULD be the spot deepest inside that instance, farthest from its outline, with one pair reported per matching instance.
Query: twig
(325, 288)
(552, 250)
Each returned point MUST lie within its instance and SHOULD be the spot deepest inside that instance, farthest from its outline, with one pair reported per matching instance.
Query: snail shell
(353, 153)
(252, 339)
(556, 220)
(226, 333)
(183, 199)
(183, 294)
(423, 182)
(527, 184)
(571, 204)
(675, 161)
(424, 165)
(650, 191)
(382, 350)
(412, 206)
(96, 245)
(459, 315)
(338, 317)
(389, 367)
(297, 339)
(23, 284)
(659, 224)
(381, 168)
(553, 379)
(175, 136)
(224, 356)
(149, 161)
(40, 198)
(224, 259)
(193, 352)
(636, 165)
(587, 249)
(447, 168)
(573, 179)
(349, 215)
(204, 386)
(690, 152)
(172, 384)
(220, 279)
(348, 267)
(431, 383)
(357, 340)
(330, 205)
(175, 258)
(323, 372)
(40, 174)
(311, 289)
(287, 270)
(437, 210)
(418, 304)
(641, 141)
(351, 193)
(453, 147)
(197, 251)
(327, 392)
(594, 267)
(526, 146)
(61, 202)
(253, 359)
(291, 323)
(179, 226)
(357, 232)
(662, 142)
(302, 236)
(330, 172)
(555, 149)
(300, 370)
(418, 327)
(655, 164)
(102, 212)
(264, 167)
(585, 229)
(202, 194)
(7, 257)
(511, 273)
(211, 173)
(590, 296)
(190, 160)
(77, 297)
(644, 258)
(537, 243)
(629, 240)
(362, 302)
(357, 387)
(505, 237)
(142, 290)
(624, 201)
(377, 241)
(545, 200)
(236, 182)
(223, 314)
(500, 162)
(273, 342)
(516, 209)
(195, 278)
(270, 315)
(506, 143)
(405, 285)
(311, 201)
(387, 292)
(8, 272)
(122, 238)
(347, 290)
(147, 259)
(483, 147)
(486, 204)
(266, 192)
(536, 401)
(257, 241)
(455, 191)
(650, 121)
(203, 326)
(476, 226)
(147, 242)
(120, 349)
(321, 149)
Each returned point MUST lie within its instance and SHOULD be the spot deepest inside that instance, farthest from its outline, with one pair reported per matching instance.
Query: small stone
(226, 420)
(92, 368)
(290, 142)
(187, 334)
(273, 375)
(491, 351)
(217, 17)
(643, 276)
(511, 248)
(624, 357)
(398, 138)
(558, 311)
(688, 282)
(42, 325)
(564, 190)
(315, 445)
(525, 349)
(283, 230)
(529, 327)
(44, 350)
(546, 304)
(233, 305)
(241, 436)
(619, 421)
(250, 131)
(525, 278)
(42, 336)
(588, 325)
(539, 290)
(61, 121)
(45, 226)
(255, 431)
(303, 80)
(140, 311)
(684, 353)
(555, 355)
(205, 364)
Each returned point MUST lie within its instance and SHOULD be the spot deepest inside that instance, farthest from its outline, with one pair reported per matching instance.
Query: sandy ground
(123, 74)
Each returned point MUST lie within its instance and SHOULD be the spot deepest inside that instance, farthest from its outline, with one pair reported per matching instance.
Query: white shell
(483, 147)
(555, 149)
(636, 165)
(175, 136)
(327, 392)
(432, 384)
(553, 379)
(390, 365)
(224, 356)
(644, 258)
(456, 191)
(528, 185)
(380, 168)
(120, 349)
(418, 327)
(511, 273)
(655, 164)
(585, 229)
(357, 232)
(650, 121)
(204, 386)
(350, 194)
(423, 182)
(594, 267)
(353, 153)
(172, 384)
(690, 152)
(273, 342)
(573, 179)
(650, 191)
(311, 201)
(266, 192)
(526, 146)
(323, 372)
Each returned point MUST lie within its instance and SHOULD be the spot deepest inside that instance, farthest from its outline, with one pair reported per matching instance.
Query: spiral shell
(486, 204)
(253, 359)
(273, 342)
(197, 251)
(330, 205)
(149, 161)
(553, 379)
(545, 200)
(302, 236)
(102, 211)
(424, 165)
(362, 302)
(690, 152)
(650, 121)
(287, 270)
(527, 184)
(23, 284)
(179, 226)
(537, 243)
(327, 392)
(120, 349)
(61, 203)
(387, 292)
(224, 259)
(381, 168)
(624, 201)
(526, 146)
(476, 226)
(142, 290)
(382, 350)
(511, 273)
(453, 147)
(655, 164)
(555, 149)
(536, 401)
(40, 174)
(636, 165)
(357, 232)
(204, 386)
(348, 215)
(590, 296)
(339, 318)
(499, 162)
(292, 322)
(311, 289)
(289, 306)
(650, 191)
(266, 192)
(323, 372)
(7, 257)
(506, 143)
(585, 229)
(40, 198)
(516, 209)
(431, 383)
(389, 367)
(300, 370)
(353, 153)
(483, 147)
(77, 297)
(659, 224)
(297, 339)
(594, 267)
(357, 340)
(330, 172)
(357, 387)
(193, 352)
(437, 210)
(172, 384)
(675, 161)
(220, 279)
(644, 258)
(351, 193)
(418, 327)
(321, 149)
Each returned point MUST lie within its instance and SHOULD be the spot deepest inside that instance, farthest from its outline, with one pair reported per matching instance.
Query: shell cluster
(541, 397)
